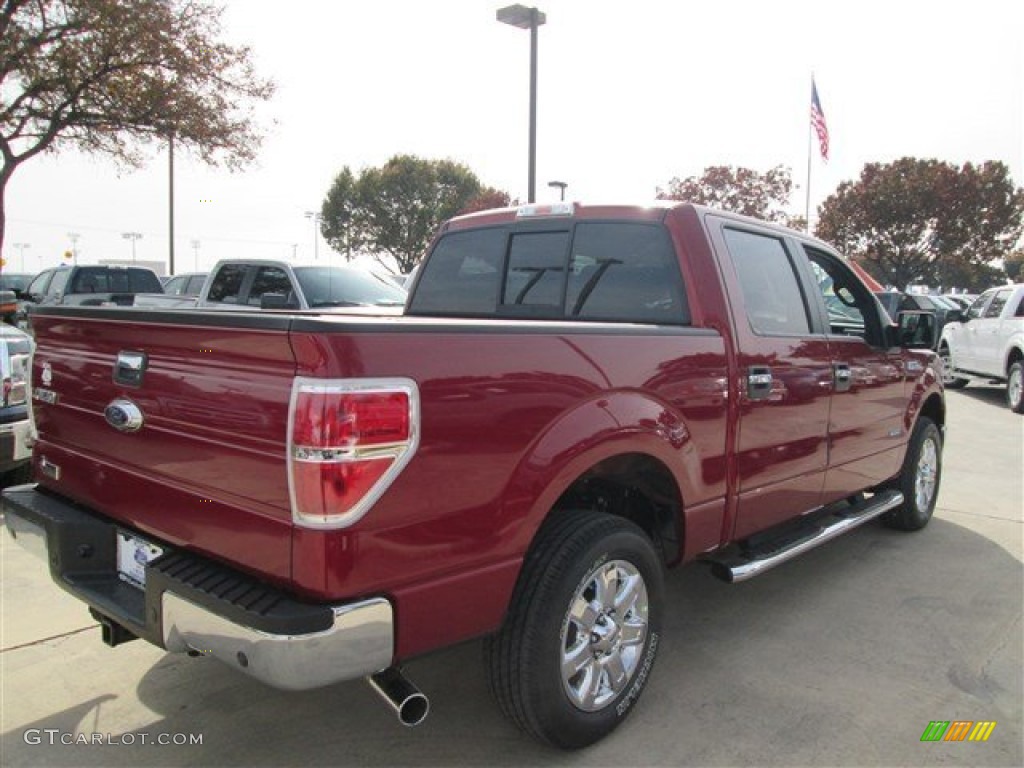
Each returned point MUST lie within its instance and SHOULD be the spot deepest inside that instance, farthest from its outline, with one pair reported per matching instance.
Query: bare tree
(110, 76)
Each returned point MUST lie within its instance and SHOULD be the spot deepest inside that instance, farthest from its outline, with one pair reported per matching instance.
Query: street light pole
(315, 218)
(134, 237)
(73, 237)
(528, 18)
(21, 252)
(560, 186)
(195, 255)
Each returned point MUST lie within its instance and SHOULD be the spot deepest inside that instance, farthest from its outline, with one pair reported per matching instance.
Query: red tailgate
(206, 470)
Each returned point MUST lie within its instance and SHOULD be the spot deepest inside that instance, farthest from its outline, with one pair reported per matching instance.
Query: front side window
(974, 311)
(269, 280)
(995, 309)
(39, 284)
(771, 291)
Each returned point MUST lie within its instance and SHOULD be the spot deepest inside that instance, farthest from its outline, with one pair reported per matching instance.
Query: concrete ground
(841, 657)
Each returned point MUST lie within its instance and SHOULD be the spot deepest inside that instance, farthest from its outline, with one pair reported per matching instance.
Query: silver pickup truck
(269, 284)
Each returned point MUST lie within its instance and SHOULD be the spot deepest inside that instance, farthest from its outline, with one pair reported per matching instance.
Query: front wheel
(1015, 388)
(919, 478)
(580, 638)
(948, 379)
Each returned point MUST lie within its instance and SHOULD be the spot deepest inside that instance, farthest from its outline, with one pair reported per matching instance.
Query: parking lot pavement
(841, 657)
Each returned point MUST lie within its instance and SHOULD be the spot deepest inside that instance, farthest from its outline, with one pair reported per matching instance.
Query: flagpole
(810, 128)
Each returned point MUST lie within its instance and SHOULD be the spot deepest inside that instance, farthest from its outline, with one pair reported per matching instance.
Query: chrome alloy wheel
(947, 366)
(1015, 387)
(603, 635)
(927, 475)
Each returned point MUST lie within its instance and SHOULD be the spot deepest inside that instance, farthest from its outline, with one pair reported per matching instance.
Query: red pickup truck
(575, 399)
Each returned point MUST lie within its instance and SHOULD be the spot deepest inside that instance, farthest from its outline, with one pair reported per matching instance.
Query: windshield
(346, 287)
(12, 282)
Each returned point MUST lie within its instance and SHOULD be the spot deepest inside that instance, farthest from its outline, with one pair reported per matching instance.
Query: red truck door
(785, 370)
(866, 422)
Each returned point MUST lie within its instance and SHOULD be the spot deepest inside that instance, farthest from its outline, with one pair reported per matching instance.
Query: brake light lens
(348, 439)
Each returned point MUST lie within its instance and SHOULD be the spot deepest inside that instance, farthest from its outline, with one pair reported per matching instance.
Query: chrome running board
(737, 564)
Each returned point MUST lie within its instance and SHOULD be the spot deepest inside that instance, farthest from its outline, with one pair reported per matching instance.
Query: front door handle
(843, 377)
(759, 382)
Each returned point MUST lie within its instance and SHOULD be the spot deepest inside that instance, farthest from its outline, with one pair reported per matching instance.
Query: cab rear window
(599, 271)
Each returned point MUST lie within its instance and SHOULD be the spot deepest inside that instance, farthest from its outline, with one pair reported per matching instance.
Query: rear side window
(463, 274)
(625, 272)
(771, 290)
(607, 271)
(228, 284)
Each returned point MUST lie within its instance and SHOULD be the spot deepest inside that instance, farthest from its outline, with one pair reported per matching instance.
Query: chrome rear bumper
(286, 643)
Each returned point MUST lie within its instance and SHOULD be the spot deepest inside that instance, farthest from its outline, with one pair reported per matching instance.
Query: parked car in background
(185, 284)
(987, 343)
(90, 286)
(962, 300)
(15, 453)
(246, 284)
(15, 281)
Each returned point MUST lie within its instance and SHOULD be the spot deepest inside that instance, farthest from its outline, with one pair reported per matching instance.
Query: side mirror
(916, 330)
(956, 316)
(277, 301)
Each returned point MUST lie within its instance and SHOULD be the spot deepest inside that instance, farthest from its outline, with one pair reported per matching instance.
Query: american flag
(818, 121)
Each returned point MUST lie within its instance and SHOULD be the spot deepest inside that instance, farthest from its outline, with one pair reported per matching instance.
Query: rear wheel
(951, 381)
(582, 631)
(919, 479)
(1015, 387)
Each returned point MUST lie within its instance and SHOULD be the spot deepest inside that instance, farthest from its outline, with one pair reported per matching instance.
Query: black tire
(530, 659)
(919, 478)
(19, 475)
(1015, 387)
(950, 381)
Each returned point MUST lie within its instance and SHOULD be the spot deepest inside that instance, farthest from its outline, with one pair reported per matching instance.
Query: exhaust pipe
(405, 699)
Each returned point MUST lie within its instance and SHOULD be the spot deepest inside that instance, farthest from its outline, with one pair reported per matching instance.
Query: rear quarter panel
(511, 416)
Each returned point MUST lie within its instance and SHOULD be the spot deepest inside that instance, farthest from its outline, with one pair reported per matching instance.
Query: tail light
(348, 439)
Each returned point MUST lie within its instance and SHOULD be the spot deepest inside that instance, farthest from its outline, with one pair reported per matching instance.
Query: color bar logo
(958, 730)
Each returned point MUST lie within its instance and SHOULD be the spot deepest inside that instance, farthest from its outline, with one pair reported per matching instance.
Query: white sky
(631, 94)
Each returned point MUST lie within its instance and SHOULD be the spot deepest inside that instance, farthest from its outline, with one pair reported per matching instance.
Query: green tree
(926, 221)
(739, 190)
(108, 76)
(396, 209)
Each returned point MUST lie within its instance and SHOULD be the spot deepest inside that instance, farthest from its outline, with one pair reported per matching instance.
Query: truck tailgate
(206, 469)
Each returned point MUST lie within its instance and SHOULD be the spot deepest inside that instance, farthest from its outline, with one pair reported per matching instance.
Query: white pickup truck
(987, 342)
(247, 284)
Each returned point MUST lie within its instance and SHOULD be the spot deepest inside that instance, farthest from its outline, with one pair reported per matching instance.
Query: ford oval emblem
(123, 415)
